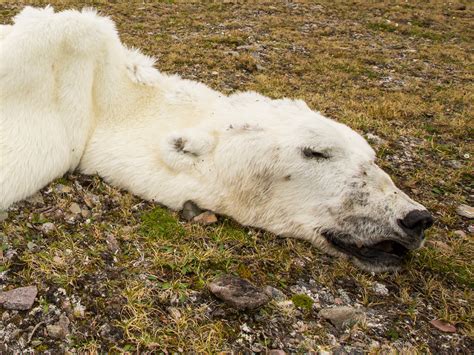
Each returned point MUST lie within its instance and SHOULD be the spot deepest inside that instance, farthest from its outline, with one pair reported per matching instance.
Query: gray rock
(380, 289)
(59, 330)
(238, 293)
(48, 228)
(465, 211)
(274, 293)
(455, 164)
(62, 189)
(190, 210)
(343, 316)
(21, 298)
(205, 218)
(374, 139)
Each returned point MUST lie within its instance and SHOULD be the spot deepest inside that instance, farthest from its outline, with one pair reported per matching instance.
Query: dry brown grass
(402, 71)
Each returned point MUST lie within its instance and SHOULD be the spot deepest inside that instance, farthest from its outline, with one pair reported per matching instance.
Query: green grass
(399, 71)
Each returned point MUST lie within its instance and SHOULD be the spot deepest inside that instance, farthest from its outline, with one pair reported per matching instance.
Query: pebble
(48, 227)
(274, 293)
(465, 211)
(343, 316)
(238, 293)
(205, 218)
(62, 189)
(375, 139)
(380, 289)
(112, 244)
(21, 298)
(75, 208)
(190, 210)
(59, 330)
(455, 164)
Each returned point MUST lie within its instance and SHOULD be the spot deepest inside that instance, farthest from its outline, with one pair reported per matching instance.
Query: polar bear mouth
(388, 252)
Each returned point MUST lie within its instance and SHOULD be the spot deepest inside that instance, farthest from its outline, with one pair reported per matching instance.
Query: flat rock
(380, 289)
(205, 218)
(20, 299)
(59, 330)
(465, 211)
(190, 210)
(343, 316)
(75, 208)
(238, 293)
(275, 293)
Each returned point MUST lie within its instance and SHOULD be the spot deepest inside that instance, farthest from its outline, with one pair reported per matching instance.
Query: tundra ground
(131, 276)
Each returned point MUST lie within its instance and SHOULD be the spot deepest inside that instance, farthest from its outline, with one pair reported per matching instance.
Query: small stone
(276, 352)
(375, 139)
(85, 213)
(465, 211)
(36, 199)
(455, 164)
(238, 293)
(343, 316)
(470, 228)
(75, 208)
(48, 228)
(31, 246)
(112, 244)
(62, 189)
(174, 313)
(214, 73)
(274, 293)
(190, 210)
(205, 218)
(58, 260)
(59, 330)
(3, 216)
(20, 299)
(443, 326)
(380, 289)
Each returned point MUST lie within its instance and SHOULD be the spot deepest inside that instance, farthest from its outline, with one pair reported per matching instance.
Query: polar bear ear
(244, 127)
(183, 150)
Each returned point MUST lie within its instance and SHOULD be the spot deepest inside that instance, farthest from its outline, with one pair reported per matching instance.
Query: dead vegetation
(131, 276)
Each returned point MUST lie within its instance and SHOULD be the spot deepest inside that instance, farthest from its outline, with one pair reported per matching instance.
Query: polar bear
(74, 97)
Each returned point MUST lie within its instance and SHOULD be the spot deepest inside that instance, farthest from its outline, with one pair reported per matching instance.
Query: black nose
(415, 222)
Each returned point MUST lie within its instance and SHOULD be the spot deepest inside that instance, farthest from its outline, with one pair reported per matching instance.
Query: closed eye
(310, 153)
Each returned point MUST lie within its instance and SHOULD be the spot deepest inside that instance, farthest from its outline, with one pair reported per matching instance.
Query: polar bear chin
(74, 97)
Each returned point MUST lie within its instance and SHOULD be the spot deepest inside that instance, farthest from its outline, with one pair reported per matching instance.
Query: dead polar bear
(73, 96)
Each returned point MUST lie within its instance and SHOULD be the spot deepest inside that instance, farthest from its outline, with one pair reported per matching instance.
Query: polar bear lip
(387, 252)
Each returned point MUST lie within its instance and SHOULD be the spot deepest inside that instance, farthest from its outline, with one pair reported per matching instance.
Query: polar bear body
(73, 96)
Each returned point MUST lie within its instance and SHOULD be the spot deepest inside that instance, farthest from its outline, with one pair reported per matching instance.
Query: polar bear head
(280, 166)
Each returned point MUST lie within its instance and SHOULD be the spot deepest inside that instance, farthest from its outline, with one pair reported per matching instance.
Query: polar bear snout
(415, 222)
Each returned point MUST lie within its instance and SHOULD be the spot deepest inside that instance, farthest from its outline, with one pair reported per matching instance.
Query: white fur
(72, 96)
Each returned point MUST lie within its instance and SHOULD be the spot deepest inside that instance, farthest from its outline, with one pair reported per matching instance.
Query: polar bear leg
(47, 68)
